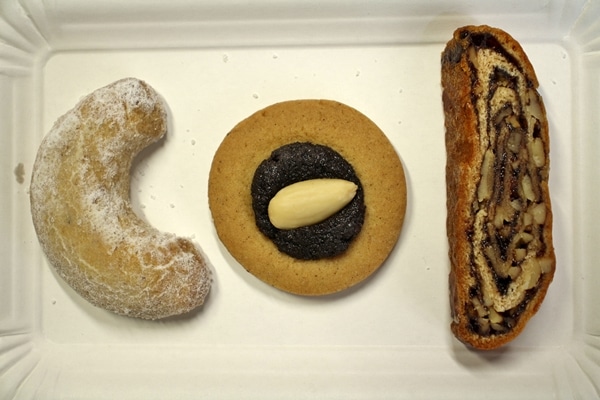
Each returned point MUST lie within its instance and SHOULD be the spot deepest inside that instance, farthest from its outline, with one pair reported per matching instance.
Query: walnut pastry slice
(499, 222)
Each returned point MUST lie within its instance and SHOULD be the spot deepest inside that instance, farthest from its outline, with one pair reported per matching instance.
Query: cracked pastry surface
(83, 215)
(499, 222)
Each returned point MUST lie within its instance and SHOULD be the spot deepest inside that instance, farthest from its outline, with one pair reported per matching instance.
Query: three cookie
(85, 224)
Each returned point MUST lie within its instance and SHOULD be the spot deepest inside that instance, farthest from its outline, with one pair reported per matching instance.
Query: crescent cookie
(83, 216)
(322, 122)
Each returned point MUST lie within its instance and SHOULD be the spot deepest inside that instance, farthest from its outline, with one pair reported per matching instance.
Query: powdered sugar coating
(83, 216)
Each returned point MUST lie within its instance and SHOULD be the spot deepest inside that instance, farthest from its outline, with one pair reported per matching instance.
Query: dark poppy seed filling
(297, 162)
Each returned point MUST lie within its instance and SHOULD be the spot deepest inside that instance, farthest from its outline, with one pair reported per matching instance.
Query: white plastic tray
(215, 63)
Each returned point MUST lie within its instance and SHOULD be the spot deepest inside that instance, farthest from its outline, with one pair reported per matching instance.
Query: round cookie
(324, 122)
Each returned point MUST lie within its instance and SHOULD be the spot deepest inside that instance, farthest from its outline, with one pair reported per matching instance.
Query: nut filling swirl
(509, 210)
(510, 239)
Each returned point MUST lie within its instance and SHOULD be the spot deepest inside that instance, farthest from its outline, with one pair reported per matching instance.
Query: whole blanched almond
(309, 202)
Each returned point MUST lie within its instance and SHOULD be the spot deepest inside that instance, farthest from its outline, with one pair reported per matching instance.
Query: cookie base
(325, 122)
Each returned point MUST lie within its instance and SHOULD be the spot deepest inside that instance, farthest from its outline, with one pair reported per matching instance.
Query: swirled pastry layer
(499, 214)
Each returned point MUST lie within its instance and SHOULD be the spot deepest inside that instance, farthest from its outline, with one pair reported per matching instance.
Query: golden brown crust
(83, 216)
(331, 124)
(465, 154)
